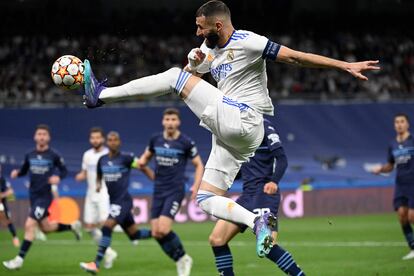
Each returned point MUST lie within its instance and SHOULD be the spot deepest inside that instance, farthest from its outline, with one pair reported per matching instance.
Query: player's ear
(219, 25)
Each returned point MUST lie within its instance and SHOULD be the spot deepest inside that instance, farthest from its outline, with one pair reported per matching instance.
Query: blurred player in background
(233, 112)
(6, 191)
(171, 149)
(115, 168)
(96, 208)
(261, 194)
(41, 163)
(401, 155)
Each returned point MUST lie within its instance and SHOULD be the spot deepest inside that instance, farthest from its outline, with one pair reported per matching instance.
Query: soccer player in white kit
(233, 112)
(96, 209)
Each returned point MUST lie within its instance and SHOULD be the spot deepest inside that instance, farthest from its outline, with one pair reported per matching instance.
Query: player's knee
(216, 240)
(163, 231)
(403, 217)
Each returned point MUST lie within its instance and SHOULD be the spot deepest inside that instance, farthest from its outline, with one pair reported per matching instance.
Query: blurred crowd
(26, 63)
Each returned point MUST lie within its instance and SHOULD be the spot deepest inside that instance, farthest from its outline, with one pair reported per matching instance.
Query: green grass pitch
(352, 245)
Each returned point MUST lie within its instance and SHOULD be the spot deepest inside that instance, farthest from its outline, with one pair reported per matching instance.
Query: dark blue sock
(12, 229)
(284, 261)
(141, 234)
(103, 244)
(63, 227)
(24, 248)
(224, 260)
(172, 246)
(408, 233)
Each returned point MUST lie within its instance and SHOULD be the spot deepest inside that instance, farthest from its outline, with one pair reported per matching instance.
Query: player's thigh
(102, 209)
(222, 167)
(223, 232)
(89, 212)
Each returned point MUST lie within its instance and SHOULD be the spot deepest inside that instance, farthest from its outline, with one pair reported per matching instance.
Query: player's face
(208, 29)
(171, 123)
(42, 137)
(401, 124)
(113, 142)
(96, 139)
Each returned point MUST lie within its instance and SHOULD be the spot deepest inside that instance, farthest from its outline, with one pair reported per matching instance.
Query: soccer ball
(67, 72)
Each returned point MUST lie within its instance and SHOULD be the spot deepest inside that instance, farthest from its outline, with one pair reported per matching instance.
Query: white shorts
(237, 131)
(96, 211)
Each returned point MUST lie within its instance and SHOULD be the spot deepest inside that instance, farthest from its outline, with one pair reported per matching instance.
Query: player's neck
(42, 148)
(401, 137)
(171, 136)
(113, 153)
(227, 33)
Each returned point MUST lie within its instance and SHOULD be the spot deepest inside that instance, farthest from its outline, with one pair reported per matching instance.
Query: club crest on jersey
(210, 58)
(230, 55)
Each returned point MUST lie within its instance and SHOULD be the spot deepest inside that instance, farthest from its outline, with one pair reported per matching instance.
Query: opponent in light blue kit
(401, 156)
(45, 168)
(115, 168)
(261, 194)
(171, 150)
(233, 112)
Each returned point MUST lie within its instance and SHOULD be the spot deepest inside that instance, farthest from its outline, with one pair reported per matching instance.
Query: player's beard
(212, 39)
(98, 146)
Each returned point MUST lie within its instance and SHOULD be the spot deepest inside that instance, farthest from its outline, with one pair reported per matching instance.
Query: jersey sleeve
(192, 150)
(390, 156)
(129, 160)
(204, 67)
(25, 166)
(60, 164)
(258, 46)
(84, 165)
(99, 168)
(272, 138)
(151, 143)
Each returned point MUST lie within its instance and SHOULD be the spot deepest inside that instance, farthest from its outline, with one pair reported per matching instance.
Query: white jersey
(239, 68)
(89, 164)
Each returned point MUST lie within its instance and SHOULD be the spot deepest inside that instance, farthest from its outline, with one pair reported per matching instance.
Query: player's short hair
(213, 8)
(114, 133)
(43, 127)
(97, 130)
(401, 114)
(172, 111)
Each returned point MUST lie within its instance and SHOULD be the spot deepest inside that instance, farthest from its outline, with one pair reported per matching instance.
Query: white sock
(110, 251)
(171, 80)
(224, 208)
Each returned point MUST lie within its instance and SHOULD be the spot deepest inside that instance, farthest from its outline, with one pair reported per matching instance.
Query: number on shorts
(261, 211)
(115, 210)
(38, 212)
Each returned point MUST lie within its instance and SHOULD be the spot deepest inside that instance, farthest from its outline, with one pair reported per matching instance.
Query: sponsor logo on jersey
(221, 72)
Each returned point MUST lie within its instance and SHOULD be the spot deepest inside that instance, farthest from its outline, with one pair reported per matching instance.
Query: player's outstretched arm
(356, 69)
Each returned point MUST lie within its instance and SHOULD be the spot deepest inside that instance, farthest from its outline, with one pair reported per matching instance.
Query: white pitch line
(238, 243)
